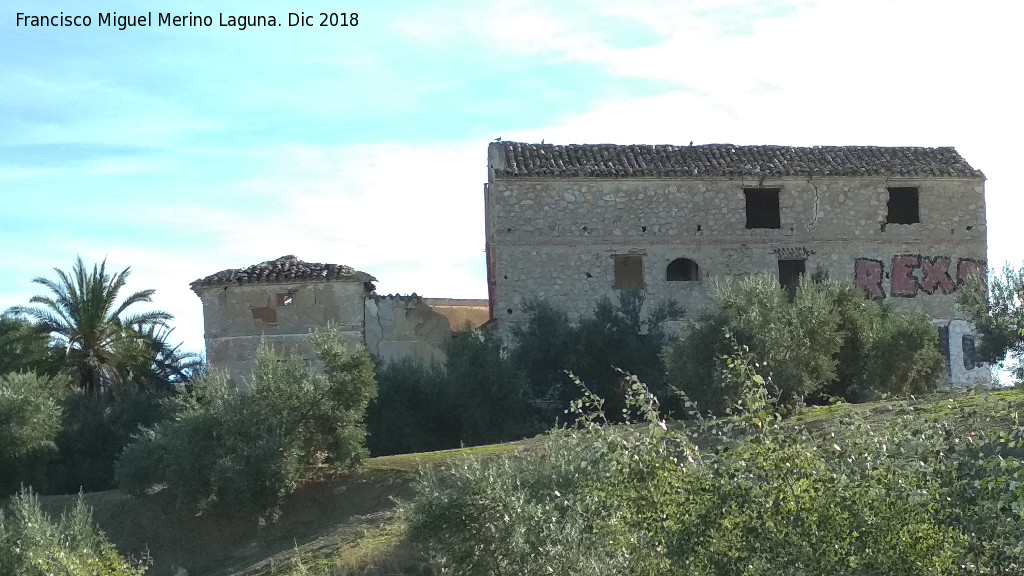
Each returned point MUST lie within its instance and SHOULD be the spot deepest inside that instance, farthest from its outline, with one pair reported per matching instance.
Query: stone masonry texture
(280, 302)
(558, 216)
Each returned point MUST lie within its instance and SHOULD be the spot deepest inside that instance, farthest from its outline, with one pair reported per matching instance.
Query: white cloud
(410, 215)
(873, 72)
(807, 72)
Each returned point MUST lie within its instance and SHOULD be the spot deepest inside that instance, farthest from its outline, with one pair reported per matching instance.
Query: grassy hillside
(346, 524)
(335, 520)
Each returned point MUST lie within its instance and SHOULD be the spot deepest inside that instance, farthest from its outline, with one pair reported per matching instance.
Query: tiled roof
(286, 269)
(521, 160)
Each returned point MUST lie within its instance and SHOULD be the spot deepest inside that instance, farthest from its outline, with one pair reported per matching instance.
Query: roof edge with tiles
(510, 160)
(284, 270)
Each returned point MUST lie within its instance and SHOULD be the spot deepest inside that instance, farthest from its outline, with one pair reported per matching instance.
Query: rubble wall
(557, 239)
(405, 327)
(237, 318)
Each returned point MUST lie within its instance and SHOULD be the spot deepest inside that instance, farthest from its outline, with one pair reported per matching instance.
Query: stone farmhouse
(281, 301)
(571, 224)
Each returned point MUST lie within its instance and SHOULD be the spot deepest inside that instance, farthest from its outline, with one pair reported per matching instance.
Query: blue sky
(184, 151)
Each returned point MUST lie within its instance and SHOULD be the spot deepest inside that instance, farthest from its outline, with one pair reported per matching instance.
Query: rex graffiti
(911, 274)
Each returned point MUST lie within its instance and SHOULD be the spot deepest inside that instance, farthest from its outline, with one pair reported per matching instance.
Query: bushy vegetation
(617, 336)
(60, 440)
(475, 398)
(30, 420)
(32, 544)
(94, 433)
(484, 394)
(825, 340)
(25, 347)
(996, 307)
(828, 340)
(906, 496)
(82, 332)
(242, 450)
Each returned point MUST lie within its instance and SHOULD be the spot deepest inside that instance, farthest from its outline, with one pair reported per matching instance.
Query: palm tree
(167, 365)
(99, 337)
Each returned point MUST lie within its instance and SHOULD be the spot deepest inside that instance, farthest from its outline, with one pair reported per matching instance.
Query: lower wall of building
(909, 275)
(391, 328)
(237, 355)
(957, 339)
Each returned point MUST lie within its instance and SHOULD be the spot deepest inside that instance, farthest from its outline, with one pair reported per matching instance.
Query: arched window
(682, 270)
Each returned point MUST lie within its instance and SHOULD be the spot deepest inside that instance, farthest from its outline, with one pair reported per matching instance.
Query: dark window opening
(285, 299)
(790, 272)
(969, 347)
(944, 345)
(264, 316)
(903, 206)
(763, 208)
(629, 272)
(682, 270)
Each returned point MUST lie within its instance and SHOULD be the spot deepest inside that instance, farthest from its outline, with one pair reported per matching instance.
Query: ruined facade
(571, 224)
(282, 301)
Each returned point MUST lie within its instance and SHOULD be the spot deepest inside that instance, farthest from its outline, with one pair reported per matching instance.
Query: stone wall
(237, 318)
(405, 326)
(557, 239)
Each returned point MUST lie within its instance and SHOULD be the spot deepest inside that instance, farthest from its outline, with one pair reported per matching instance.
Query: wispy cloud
(410, 215)
(181, 153)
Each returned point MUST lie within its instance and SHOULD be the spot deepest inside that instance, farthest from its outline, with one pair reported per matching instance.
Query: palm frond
(136, 298)
(103, 343)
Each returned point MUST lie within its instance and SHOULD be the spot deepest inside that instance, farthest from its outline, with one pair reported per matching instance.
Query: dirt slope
(329, 513)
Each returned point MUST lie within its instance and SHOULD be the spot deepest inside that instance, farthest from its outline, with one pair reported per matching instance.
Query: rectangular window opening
(762, 208)
(790, 272)
(629, 272)
(903, 207)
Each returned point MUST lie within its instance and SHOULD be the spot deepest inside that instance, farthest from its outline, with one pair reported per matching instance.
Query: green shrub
(884, 351)
(537, 512)
(484, 394)
(905, 497)
(904, 356)
(543, 348)
(617, 336)
(31, 544)
(25, 347)
(996, 307)
(242, 451)
(799, 340)
(860, 320)
(30, 421)
(488, 394)
(414, 410)
(60, 440)
(475, 398)
(827, 341)
(93, 434)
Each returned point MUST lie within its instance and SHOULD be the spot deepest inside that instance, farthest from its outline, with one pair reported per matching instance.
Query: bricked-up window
(629, 272)
(790, 272)
(762, 207)
(682, 270)
(903, 206)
